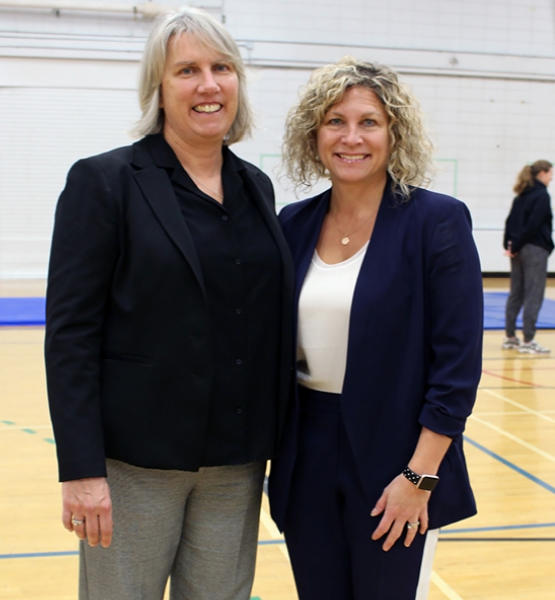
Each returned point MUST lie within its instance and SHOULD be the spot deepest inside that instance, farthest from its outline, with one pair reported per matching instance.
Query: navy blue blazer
(415, 344)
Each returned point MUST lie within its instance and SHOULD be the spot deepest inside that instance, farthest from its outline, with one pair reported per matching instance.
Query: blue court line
(281, 541)
(495, 528)
(450, 531)
(40, 554)
(511, 465)
(76, 552)
(472, 442)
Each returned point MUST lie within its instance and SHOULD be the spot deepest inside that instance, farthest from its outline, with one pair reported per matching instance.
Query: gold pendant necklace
(345, 239)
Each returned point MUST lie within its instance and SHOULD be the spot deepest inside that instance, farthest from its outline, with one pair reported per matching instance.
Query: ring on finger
(413, 524)
(77, 522)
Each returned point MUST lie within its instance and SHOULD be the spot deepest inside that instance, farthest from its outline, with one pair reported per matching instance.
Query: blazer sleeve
(455, 323)
(83, 256)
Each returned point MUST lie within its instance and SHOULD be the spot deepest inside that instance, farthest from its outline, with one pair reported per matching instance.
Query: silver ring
(413, 524)
(77, 522)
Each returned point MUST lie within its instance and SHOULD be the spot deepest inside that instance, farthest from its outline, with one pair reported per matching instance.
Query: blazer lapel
(304, 244)
(257, 194)
(157, 189)
(376, 272)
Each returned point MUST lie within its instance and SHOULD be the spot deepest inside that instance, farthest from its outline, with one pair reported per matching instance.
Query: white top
(323, 328)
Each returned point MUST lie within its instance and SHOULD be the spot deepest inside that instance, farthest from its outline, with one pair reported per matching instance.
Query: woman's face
(353, 139)
(199, 92)
(545, 176)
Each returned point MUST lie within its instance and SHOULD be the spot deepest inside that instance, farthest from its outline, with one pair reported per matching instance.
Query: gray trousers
(199, 529)
(528, 275)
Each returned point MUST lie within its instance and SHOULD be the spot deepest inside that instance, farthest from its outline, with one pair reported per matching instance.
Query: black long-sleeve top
(530, 219)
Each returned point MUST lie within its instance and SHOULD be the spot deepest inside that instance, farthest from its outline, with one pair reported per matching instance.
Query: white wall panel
(504, 26)
(47, 130)
(484, 73)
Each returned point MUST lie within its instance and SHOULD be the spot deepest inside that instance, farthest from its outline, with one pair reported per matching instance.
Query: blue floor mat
(30, 311)
(494, 312)
(22, 311)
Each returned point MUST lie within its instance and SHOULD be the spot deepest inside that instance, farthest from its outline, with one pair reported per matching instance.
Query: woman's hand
(509, 251)
(87, 510)
(401, 503)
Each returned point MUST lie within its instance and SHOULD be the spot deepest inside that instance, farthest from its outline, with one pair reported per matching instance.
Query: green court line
(261, 159)
(28, 430)
(455, 164)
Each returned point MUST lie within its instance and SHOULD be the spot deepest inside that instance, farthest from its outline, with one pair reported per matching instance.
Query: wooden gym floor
(505, 552)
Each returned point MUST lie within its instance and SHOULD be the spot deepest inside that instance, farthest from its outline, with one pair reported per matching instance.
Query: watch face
(428, 483)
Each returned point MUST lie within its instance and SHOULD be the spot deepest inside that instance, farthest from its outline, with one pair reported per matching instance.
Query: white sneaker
(510, 343)
(533, 348)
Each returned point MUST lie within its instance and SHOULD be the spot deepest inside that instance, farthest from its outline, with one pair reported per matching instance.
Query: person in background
(389, 337)
(527, 241)
(168, 338)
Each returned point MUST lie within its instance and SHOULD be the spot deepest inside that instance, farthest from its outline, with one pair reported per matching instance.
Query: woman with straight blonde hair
(168, 337)
(527, 241)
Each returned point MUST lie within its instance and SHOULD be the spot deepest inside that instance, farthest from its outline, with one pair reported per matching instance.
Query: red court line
(534, 385)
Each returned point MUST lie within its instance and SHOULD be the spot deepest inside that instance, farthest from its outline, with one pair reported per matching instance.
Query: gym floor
(505, 552)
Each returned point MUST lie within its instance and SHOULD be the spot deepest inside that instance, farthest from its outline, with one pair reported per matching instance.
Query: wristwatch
(423, 482)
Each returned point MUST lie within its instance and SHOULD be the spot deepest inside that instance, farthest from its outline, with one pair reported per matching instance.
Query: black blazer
(128, 345)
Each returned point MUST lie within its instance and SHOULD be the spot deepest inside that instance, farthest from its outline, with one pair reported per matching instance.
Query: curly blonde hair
(411, 148)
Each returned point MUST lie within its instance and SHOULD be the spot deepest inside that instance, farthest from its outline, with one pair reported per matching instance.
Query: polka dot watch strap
(411, 475)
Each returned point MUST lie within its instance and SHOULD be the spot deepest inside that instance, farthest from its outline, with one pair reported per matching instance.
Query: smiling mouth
(207, 108)
(352, 157)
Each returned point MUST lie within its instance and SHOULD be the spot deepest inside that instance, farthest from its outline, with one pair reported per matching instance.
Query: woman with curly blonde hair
(389, 330)
(411, 149)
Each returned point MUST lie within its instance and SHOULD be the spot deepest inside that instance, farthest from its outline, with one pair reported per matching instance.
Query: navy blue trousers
(328, 524)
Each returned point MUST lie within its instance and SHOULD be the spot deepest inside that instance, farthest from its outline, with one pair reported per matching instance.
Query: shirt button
(238, 362)
(238, 411)
(237, 261)
(225, 218)
(238, 311)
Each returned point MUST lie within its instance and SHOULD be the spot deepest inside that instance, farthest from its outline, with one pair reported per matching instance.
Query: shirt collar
(163, 155)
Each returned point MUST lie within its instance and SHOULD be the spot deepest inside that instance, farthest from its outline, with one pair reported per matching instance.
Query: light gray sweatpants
(528, 274)
(200, 529)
